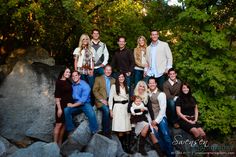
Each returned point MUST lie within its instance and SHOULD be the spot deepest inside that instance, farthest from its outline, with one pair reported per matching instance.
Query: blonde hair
(144, 96)
(80, 46)
(145, 42)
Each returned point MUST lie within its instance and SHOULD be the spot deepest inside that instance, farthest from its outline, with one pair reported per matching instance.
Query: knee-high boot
(142, 145)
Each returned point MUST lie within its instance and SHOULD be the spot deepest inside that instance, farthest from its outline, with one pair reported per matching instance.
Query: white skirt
(121, 118)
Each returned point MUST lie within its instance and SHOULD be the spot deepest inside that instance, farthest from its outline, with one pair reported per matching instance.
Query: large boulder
(38, 149)
(102, 146)
(81, 154)
(27, 102)
(6, 148)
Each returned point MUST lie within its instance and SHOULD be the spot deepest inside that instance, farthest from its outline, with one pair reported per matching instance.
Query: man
(101, 53)
(123, 60)
(81, 96)
(158, 100)
(171, 88)
(159, 58)
(101, 91)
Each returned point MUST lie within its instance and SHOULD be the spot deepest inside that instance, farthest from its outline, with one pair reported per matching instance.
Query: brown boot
(158, 150)
(142, 146)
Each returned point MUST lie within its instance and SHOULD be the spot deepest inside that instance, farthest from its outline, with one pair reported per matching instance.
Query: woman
(63, 95)
(84, 59)
(142, 128)
(187, 110)
(140, 59)
(118, 103)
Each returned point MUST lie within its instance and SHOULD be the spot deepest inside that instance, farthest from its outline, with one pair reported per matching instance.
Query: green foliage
(201, 35)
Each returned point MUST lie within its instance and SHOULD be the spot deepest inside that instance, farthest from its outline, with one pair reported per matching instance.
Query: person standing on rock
(82, 102)
(63, 95)
(158, 100)
(84, 59)
(118, 104)
(101, 91)
(101, 53)
(159, 58)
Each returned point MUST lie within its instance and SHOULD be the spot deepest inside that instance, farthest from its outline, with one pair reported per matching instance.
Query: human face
(141, 88)
(108, 71)
(85, 42)
(66, 74)
(152, 84)
(185, 89)
(95, 35)
(121, 78)
(141, 42)
(75, 77)
(138, 101)
(154, 36)
(172, 75)
(121, 43)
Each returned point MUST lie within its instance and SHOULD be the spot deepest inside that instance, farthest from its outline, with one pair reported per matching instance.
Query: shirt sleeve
(57, 93)
(169, 57)
(162, 102)
(132, 62)
(106, 55)
(111, 96)
(85, 93)
(76, 51)
(178, 102)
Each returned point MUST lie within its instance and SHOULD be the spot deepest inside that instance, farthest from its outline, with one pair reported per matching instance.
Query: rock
(120, 152)
(6, 148)
(151, 153)
(81, 154)
(27, 102)
(39, 149)
(102, 146)
(78, 139)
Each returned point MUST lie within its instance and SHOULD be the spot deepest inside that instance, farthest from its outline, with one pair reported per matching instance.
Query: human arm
(81, 94)
(196, 113)
(168, 57)
(59, 109)
(97, 90)
(106, 55)
(110, 100)
(131, 60)
(162, 102)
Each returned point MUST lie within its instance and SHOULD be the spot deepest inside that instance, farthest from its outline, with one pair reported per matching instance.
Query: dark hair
(171, 69)
(76, 71)
(121, 37)
(152, 78)
(97, 30)
(154, 30)
(187, 98)
(61, 73)
(118, 84)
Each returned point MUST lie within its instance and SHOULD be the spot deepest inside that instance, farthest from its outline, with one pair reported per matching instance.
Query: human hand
(128, 73)
(154, 123)
(111, 113)
(90, 72)
(69, 105)
(102, 65)
(103, 101)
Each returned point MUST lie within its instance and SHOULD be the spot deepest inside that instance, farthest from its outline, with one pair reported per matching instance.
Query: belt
(122, 102)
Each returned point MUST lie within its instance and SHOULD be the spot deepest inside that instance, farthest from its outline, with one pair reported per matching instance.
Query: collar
(155, 44)
(172, 82)
(154, 92)
(95, 42)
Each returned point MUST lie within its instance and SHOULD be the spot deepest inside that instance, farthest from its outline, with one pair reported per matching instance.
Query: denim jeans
(88, 79)
(164, 137)
(138, 75)
(160, 81)
(88, 111)
(98, 72)
(172, 108)
(105, 119)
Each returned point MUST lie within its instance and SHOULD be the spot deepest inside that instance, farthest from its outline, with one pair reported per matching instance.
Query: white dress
(121, 117)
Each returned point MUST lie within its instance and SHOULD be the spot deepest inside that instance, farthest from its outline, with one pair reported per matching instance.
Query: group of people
(125, 112)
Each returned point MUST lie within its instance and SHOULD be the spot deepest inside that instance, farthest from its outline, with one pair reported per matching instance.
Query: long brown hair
(118, 84)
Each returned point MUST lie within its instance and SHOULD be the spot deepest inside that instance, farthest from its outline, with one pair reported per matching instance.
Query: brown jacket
(99, 89)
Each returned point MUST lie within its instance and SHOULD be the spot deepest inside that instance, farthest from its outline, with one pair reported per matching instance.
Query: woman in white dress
(118, 104)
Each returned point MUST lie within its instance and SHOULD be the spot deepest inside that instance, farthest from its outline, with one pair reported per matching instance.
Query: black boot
(142, 145)
(158, 150)
(122, 141)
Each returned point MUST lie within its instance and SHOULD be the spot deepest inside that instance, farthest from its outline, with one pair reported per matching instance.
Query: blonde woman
(140, 59)
(142, 128)
(84, 59)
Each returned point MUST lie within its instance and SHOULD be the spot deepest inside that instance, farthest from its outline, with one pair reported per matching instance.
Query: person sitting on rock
(187, 110)
(81, 97)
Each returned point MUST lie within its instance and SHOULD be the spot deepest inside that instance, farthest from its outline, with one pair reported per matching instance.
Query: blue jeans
(138, 75)
(172, 108)
(164, 138)
(105, 119)
(88, 79)
(88, 111)
(98, 72)
(160, 81)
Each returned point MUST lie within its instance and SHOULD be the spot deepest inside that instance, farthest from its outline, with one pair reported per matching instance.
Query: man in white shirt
(159, 59)
(158, 100)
